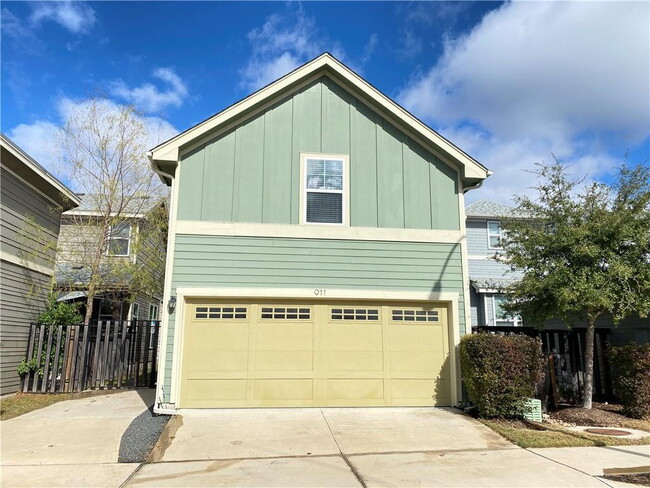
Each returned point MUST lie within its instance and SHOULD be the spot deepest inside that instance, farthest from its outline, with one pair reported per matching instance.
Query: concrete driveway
(74, 443)
(373, 447)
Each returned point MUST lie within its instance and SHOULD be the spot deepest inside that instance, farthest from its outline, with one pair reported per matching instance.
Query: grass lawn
(22, 403)
(535, 434)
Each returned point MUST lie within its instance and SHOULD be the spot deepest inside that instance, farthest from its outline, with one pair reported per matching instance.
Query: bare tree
(105, 146)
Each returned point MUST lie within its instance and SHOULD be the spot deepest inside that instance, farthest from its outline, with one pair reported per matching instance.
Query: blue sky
(511, 83)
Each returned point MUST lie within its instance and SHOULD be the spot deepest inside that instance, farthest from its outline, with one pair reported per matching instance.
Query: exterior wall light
(171, 305)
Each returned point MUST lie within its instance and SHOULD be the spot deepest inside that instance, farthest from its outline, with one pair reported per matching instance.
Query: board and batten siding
(213, 261)
(29, 226)
(251, 173)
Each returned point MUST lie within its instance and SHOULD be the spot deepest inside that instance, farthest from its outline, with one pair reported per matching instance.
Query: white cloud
(41, 138)
(78, 17)
(283, 43)
(148, 97)
(540, 78)
(545, 68)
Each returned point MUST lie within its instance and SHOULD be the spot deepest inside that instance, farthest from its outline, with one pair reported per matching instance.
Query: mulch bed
(601, 415)
(518, 424)
(642, 479)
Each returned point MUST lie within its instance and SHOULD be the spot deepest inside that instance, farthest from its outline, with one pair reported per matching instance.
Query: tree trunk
(589, 362)
(90, 299)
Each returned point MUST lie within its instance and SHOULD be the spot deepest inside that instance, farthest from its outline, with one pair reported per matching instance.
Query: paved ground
(75, 444)
(372, 447)
(72, 443)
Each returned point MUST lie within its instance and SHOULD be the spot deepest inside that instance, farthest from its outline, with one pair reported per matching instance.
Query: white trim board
(170, 150)
(182, 293)
(311, 231)
(25, 263)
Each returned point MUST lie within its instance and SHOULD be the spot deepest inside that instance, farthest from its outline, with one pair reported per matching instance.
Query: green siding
(219, 179)
(251, 174)
(212, 261)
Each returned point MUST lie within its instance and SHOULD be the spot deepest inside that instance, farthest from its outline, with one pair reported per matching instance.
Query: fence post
(30, 352)
(154, 355)
(41, 334)
(47, 358)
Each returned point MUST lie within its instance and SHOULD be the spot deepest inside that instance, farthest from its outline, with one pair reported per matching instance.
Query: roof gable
(165, 156)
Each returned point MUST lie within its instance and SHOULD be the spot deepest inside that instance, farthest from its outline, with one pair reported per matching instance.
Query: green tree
(584, 250)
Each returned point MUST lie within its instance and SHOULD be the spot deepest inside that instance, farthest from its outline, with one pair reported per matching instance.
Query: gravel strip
(140, 436)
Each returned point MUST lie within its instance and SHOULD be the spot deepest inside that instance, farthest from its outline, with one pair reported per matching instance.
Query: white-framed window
(495, 234)
(119, 239)
(135, 311)
(324, 189)
(500, 315)
(153, 312)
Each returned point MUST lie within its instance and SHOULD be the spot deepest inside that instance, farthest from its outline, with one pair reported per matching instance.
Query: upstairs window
(119, 239)
(324, 189)
(495, 234)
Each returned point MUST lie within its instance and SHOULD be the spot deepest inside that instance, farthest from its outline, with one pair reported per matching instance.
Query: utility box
(533, 410)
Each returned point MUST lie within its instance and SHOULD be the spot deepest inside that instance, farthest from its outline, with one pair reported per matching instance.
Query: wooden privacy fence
(565, 351)
(103, 355)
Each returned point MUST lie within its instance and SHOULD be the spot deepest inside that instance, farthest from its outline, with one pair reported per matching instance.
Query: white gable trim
(170, 150)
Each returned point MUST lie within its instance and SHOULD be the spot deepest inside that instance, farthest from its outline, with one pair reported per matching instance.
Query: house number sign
(320, 292)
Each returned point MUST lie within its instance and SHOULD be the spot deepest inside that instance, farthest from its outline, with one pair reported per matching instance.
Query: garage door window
(414, 316)
(286, 313)
(221, 313)
(357, 314)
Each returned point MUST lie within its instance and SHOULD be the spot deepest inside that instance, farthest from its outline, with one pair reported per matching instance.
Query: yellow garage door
(294, 353)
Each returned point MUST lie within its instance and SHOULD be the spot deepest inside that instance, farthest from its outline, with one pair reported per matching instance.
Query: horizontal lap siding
(29, 223)
(23, 299)
(213, 261)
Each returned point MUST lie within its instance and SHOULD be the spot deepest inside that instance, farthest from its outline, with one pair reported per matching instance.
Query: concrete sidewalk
(71, 443)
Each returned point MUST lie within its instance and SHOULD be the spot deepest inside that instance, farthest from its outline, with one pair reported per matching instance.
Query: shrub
(500, 372)
(631, 378)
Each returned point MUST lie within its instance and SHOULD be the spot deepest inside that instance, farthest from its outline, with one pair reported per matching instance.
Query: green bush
(500, 372)
(631, 378)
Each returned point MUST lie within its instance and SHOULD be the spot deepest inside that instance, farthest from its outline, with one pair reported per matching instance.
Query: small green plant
(631, 378)
(26, 366)
(60, 313)
(56, 313)
(500, 372)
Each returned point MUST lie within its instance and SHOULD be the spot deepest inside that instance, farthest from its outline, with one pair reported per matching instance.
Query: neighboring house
(316, 251)
(132, 244)
(488, 278)
(31, 203)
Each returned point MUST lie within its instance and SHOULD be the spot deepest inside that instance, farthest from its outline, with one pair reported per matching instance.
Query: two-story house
(488, 278)
(316, 251)
(31, 203)
(131, 266)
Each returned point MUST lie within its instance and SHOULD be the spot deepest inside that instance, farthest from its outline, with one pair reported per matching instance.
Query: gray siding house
(132, 243)
(488, 278)
(30, 215)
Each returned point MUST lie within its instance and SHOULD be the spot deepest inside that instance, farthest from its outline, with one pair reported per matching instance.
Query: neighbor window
(495, 235)
(119, 239)
(324, 189)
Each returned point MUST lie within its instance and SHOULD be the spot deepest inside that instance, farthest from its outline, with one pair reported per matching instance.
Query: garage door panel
(284, 361)
(284, 337)
(355, 389)
(213, 390)
(416, 338)
(277, 390)
(218, 337)
(367, 337)
(211, 364)
(355, 361)
(405, 363)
